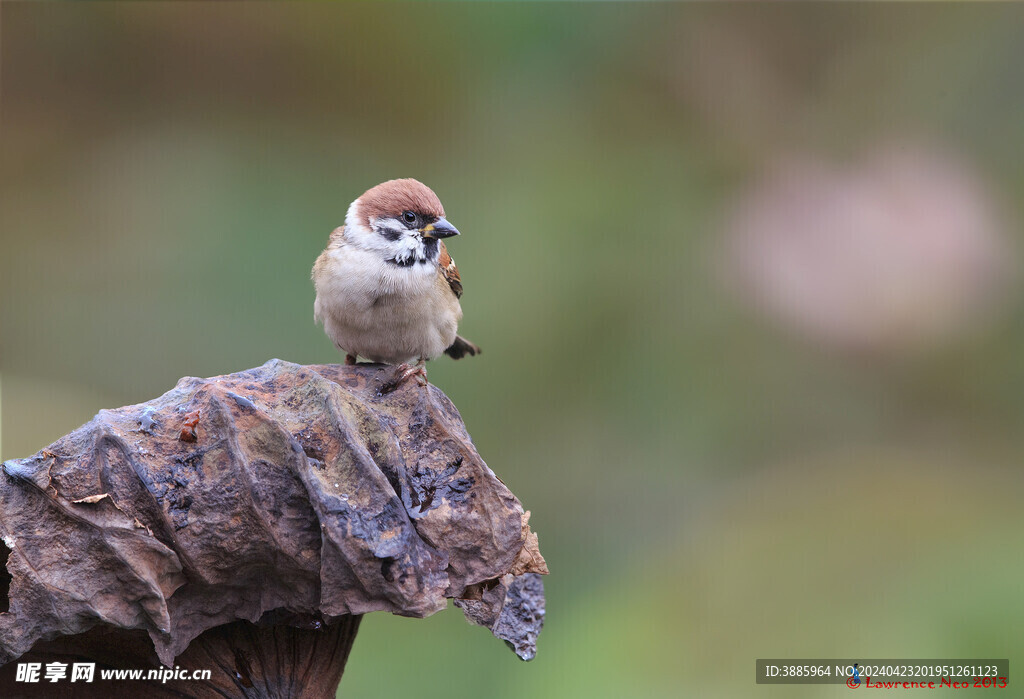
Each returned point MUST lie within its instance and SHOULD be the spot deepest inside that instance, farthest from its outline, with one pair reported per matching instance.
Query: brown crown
(389, 199)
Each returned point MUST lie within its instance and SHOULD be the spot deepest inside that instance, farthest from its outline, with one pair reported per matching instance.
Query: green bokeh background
(708, 488)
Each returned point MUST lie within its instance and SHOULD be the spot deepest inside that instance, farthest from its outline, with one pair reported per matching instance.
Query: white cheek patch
(389, 227)
(401, 244)
(387, 235)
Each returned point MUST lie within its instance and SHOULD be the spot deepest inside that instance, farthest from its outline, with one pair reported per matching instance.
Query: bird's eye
(409, 217)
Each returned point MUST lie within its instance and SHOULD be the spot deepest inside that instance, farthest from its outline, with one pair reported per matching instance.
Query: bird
(386, 287)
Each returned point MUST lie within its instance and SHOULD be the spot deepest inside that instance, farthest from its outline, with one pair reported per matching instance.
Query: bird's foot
(403, 372)
(350, 359)
(419, 370)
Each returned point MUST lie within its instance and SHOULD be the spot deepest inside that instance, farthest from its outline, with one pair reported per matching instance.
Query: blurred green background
(718, 471)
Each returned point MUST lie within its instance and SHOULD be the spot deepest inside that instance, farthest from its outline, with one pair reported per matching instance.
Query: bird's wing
(449, 270)
(337, 236)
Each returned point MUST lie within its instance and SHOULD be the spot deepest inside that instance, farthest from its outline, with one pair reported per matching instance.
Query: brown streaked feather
(323, 261)
(337, 235)
(449, 270)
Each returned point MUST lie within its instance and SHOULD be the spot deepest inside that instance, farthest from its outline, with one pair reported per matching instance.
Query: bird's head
(402, 220)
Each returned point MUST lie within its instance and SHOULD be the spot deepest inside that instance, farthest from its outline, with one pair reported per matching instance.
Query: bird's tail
(461, 347)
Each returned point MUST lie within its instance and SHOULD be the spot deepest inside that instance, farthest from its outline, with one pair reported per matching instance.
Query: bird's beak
(439, 229)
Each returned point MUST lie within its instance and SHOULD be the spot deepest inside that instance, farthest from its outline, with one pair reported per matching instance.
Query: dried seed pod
(292, 496)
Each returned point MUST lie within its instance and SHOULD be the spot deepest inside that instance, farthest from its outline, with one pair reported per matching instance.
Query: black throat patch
(429, 248)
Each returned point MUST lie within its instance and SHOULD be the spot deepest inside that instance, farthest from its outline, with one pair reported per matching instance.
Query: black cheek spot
(390, 234)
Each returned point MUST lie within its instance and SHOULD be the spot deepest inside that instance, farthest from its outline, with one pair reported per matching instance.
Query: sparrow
(386, 287)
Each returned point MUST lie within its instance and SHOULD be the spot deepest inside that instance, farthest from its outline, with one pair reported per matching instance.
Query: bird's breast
(382, 311)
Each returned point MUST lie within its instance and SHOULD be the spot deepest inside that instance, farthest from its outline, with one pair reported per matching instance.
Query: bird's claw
(403, 373)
